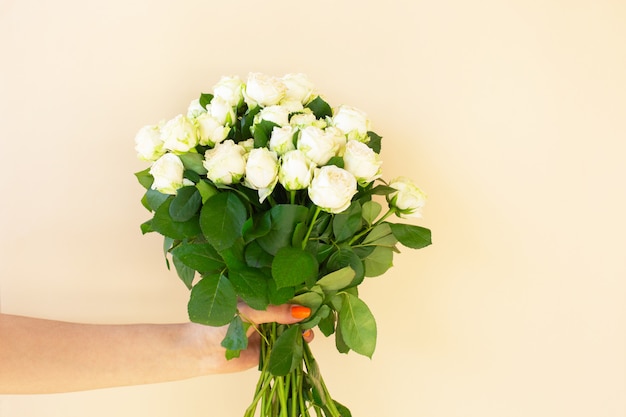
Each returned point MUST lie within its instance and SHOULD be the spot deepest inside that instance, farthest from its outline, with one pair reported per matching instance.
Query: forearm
(44, 356)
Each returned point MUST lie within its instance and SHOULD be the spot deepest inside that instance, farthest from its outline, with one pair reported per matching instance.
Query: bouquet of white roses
(264, 194)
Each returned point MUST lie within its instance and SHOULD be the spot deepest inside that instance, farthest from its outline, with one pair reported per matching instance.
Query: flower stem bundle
(266, 195)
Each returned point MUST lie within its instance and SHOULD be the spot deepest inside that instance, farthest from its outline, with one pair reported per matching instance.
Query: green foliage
(185, 204)
(320, 108)
(414, 237)
(374, 141)
(293, 266)
(221, 220)
(262, 133)
(357, 324)
(205, 99)
(213, 301)
(201, 257)
(164, 224)
(287, 351)
(236, 339)
(145, 178)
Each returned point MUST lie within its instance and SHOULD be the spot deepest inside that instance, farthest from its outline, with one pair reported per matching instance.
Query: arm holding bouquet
(47, 356)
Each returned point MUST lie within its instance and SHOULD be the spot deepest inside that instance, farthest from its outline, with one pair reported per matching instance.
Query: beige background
(510, 114)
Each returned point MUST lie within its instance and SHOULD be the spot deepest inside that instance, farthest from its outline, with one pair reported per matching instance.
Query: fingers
(285, 314)
(308, 335)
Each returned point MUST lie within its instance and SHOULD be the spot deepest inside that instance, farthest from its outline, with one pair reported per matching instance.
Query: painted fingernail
(300, 312)
(307, 333)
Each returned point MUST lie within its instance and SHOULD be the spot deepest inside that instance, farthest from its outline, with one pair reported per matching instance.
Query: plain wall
(509, 114)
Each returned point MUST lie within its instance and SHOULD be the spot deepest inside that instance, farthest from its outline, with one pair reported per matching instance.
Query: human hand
(209, 338)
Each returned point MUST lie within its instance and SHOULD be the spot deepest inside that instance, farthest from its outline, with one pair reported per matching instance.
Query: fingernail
(307, 333)
(300, 312)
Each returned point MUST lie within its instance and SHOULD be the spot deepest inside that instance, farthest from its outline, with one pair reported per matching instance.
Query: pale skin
(47, 356)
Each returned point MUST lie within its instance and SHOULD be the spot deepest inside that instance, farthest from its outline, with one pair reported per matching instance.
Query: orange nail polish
(307, 333)
(300, 312)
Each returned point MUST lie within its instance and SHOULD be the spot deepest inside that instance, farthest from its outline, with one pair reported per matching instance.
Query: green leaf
(193, 162)
(206, 189)
(320, 108)
(221, 220)
(377, 190)
(145, 178)
(374, 142)
(283, 218)
(327, 324)
(146, 227)
(340, 343)
(185, 273)
(337, 280)
(154, 199)
(343, 410)
(379, 261)
(164, 224)
(213, 301)
(257, 226)
(358, 326)
(247, 120)
(370, 211)
(389, 241)
(205, 99)
(233, 255)
(414, 237)
(293, 266)
(263, 132)
(185, 204)
(377, 232)
(347, 223)
(347, 257)
(336, 161)
(199, 256)
(310, 299)
(299, 233)
(256, 257)
(236, 338)
(287, 352)
(251, 286)
(279, 296)
(313, 321)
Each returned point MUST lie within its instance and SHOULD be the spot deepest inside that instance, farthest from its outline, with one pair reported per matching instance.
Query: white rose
(352, 121)
(261, 171)
(299, 88)
(362, 162)
(293, 106)
(332, 188)
(296, 170)
(226, 163)
(263, 90)
(316, 145)
(276, 114)
(409, 199)
(210, 130)
(168, 174)
(222, 111)
(179, 134)
(304, 119)
(281, 139)
(195, 109)
(229, 89)
(247, 144)
(148, 143)
(338, 138)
